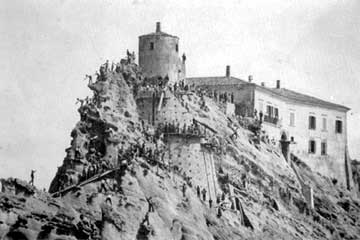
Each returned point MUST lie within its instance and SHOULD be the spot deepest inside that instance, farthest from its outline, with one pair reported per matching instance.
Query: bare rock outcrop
(195, 174)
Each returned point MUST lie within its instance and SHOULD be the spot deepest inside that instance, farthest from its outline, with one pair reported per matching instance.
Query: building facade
(311, 129)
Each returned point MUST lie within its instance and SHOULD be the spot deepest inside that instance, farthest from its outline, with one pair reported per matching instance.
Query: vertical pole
(212, 164)
(153, 109)
(207, 178)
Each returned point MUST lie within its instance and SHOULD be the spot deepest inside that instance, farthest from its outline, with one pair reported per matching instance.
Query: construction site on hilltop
(158, 155)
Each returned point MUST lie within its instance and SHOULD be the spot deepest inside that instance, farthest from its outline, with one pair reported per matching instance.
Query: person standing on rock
(204, 194)
(32, 176)
(219, 213)
(102, 186)
(146, 219)
(184, 189)
(210, 203)
(198, 191)
(151, 204)
(223, 196)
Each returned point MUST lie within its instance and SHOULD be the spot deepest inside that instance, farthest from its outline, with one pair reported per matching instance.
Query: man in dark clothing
(198, 191)
(146, 219)
(103, 186)
(151, 204)
(210, 203)
(32, 176)
(223, 196)
(204, 194)
(218, 199)
(219, 214)
(184, 189)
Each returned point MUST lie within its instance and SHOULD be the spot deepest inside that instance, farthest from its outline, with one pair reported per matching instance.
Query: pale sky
(47, 47)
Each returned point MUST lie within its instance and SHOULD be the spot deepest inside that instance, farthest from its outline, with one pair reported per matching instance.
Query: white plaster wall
(230, 109)
(266, 99)
(332, 164)
(173, 111)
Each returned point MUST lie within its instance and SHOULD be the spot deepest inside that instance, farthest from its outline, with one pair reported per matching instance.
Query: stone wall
(243, 96)
(163, 59)
(194, 161)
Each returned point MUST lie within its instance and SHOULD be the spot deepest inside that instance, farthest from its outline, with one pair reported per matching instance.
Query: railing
(272, 120)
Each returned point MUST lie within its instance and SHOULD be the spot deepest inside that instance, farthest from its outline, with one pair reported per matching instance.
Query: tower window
(177, 48)
(312, 146)
(312, 122)
(338, 126)
(151, 46)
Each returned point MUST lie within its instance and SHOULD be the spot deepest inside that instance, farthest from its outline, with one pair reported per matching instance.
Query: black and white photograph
(180, 120)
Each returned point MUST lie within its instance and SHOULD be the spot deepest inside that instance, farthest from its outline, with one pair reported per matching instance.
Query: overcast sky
(47, 47)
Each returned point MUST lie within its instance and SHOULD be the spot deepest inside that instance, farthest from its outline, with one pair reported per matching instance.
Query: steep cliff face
(123, 178)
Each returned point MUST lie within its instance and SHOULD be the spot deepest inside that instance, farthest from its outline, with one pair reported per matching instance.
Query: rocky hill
(124, 178)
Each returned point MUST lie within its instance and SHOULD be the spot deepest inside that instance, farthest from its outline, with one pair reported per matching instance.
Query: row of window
(273, 113)
(152, 45)
(312, 147)
(312, 124)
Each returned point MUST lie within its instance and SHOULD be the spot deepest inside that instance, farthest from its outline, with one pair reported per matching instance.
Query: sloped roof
(221, 80)
(303, 98)
(281, 92)
(163, 34)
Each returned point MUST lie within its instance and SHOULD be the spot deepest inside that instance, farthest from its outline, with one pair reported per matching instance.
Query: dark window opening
(312, 146)
(177, 48)
(312, 122)
(338, 126)
(323, 148)
(272, 115)
(269, 110)
(151, 46)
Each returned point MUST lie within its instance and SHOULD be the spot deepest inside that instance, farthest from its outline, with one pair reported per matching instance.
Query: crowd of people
(150, 152)
(181, 86)
(222, 202)
(220, 97)
(97, 165)
(175, 128)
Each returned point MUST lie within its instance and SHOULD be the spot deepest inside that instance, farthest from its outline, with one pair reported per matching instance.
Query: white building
(311, 129)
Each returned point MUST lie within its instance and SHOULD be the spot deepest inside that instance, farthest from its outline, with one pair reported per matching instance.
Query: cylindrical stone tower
(159, 56)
